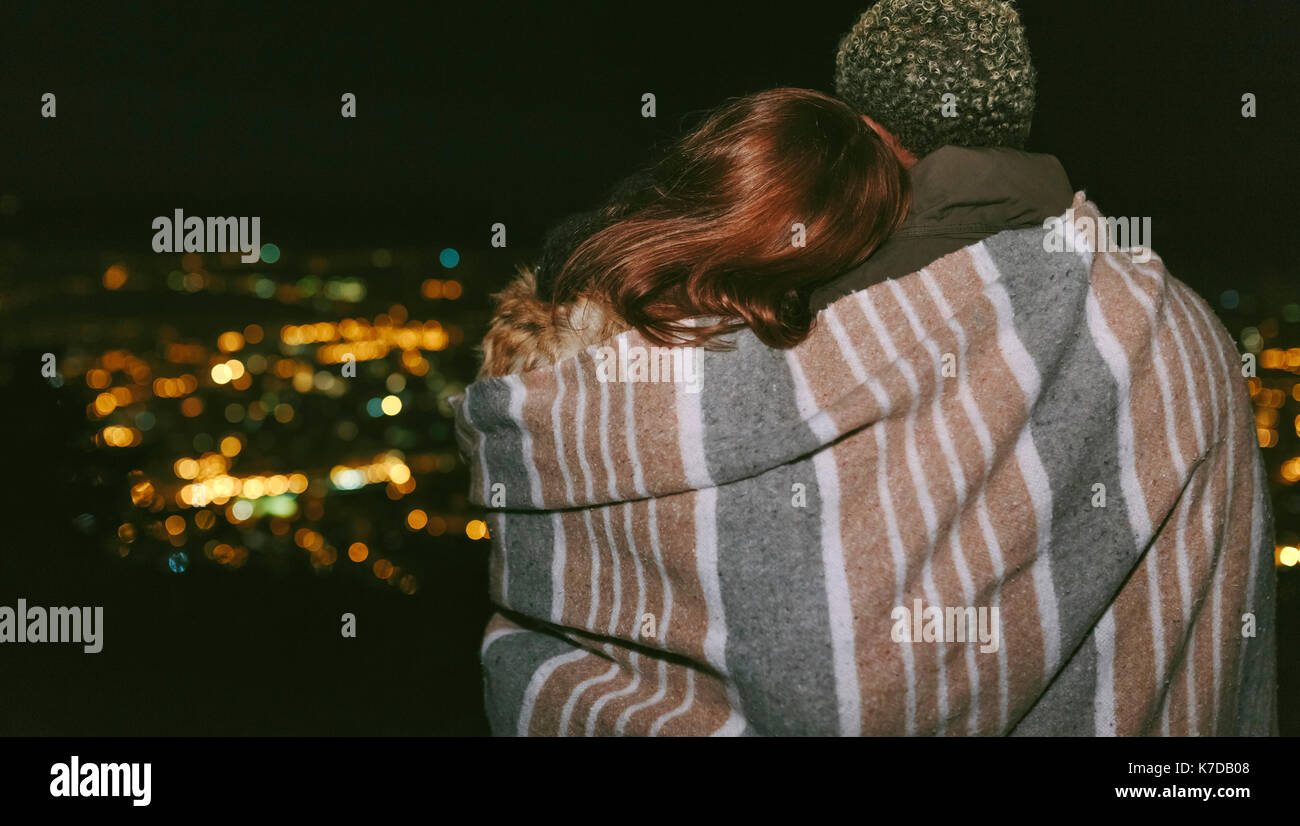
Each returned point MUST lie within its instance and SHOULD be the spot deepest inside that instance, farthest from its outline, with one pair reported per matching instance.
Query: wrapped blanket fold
(1055, 449)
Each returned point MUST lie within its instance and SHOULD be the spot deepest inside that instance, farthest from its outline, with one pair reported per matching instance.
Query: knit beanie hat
(902, 57)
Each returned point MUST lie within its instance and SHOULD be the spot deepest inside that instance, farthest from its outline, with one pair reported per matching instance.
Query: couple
(958, 463)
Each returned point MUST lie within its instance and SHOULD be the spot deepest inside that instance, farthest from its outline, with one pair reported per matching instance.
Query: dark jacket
(960, 196)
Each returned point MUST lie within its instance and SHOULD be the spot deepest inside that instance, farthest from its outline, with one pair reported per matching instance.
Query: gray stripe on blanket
(774, 593)
(1092, 548)
(529, 549)
(773, 587)
(735, 407)
(508, 666)
(1257, 702)
(489, 401)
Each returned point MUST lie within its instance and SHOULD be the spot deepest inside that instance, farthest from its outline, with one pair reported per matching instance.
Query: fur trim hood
(527, 332)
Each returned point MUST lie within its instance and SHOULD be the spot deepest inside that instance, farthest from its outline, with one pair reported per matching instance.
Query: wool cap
(903, 56)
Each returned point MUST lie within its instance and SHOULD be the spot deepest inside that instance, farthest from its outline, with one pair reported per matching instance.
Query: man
(1009, 484)
(950, 87)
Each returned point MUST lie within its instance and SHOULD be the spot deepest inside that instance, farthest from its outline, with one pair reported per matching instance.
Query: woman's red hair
(712, 231)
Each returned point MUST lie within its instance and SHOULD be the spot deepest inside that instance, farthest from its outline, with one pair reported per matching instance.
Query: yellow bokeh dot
(221, 373)
(175, 524)
(475, 529)
(114, 277)
(186, 468)
(230, 446)
(1290, 471)
(399, 474)
(97, 378)
(357, 552)
(417, 519)
(391, 405)
(230, 341)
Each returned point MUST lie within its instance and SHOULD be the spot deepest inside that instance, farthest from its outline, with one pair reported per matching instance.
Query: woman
(771, 196)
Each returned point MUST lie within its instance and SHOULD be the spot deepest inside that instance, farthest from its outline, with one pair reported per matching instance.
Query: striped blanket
(1017, 492)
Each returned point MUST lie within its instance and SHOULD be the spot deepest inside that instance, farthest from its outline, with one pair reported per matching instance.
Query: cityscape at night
(272, 436)
(284, 425)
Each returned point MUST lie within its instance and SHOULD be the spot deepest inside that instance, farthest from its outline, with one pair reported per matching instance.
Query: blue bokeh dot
(449, 258)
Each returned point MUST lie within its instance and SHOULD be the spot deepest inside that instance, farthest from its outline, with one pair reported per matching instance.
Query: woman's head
(772, 195)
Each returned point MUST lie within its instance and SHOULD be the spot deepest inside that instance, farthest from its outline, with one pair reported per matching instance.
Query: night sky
(468, 116)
